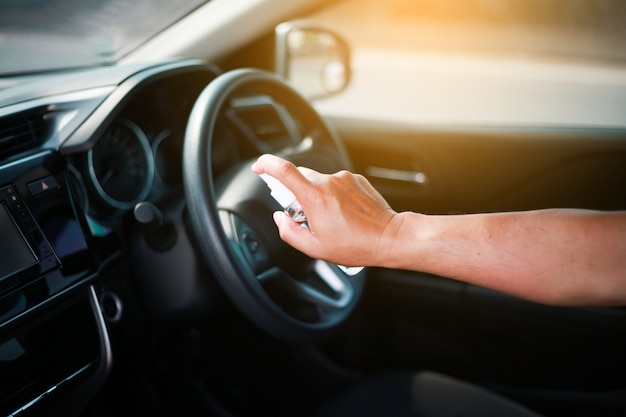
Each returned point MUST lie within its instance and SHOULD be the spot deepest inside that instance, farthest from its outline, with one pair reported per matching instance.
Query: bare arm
(560, 256)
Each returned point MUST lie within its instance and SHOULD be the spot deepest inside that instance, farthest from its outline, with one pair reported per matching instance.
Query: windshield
(44, 35)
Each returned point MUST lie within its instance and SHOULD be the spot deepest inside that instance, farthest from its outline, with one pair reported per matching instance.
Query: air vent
(21, 132)
(264, 122)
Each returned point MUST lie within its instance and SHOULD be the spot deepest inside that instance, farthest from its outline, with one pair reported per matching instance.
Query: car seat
(423, 394)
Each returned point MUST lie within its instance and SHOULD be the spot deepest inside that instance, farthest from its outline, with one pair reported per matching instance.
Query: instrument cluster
(138, 156)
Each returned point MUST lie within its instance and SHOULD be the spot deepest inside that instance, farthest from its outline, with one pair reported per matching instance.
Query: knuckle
(285, 168)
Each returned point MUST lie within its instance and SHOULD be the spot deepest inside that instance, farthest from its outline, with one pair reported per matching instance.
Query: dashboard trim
(90, 130)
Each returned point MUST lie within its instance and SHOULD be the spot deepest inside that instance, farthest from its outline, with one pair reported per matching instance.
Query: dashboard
(87, 161)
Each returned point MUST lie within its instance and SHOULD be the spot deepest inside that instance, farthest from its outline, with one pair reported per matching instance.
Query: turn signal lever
(160, 233)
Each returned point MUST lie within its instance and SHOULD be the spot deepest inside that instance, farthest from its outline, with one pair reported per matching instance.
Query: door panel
(491, 170)
(415, 320)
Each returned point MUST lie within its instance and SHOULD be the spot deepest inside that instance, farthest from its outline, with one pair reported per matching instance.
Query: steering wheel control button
(251, 246)
(254, 251)
(42, 186)
(251, 242)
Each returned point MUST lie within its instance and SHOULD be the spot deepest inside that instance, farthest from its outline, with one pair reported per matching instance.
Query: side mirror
(315, 61)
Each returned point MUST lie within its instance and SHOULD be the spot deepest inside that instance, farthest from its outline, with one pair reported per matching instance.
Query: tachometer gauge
(121, 165)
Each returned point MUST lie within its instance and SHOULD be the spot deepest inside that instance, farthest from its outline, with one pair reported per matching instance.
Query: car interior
(141, 273)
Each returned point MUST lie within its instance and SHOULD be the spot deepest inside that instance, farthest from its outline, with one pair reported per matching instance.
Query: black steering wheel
(284, 292)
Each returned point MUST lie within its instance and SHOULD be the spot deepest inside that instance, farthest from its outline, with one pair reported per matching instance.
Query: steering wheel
(282, 291)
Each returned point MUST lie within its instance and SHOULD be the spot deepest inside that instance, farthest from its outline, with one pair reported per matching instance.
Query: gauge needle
(107, 176)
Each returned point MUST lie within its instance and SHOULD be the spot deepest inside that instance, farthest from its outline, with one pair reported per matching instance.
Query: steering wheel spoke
(322, 285)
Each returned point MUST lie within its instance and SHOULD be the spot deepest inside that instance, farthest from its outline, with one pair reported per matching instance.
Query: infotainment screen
(15, 253)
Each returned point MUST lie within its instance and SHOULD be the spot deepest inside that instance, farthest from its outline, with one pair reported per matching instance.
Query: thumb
(291, 232)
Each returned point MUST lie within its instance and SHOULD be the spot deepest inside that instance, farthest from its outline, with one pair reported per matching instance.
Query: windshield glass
(43, 35)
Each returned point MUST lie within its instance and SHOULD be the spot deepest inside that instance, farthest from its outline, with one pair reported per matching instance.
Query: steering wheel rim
(233, 228)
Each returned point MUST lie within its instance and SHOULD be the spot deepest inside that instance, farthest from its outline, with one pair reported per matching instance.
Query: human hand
(347, 217)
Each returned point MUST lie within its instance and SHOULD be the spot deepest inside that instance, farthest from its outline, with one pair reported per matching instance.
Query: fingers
(345, 213)
(297, 180)
(281, 169)
(309, 174)
(292, 233)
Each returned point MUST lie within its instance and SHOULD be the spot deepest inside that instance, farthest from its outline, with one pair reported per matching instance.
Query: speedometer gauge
(121, 165)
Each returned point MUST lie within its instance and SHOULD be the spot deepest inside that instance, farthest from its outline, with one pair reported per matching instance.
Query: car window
(43, 35)
(483, 62)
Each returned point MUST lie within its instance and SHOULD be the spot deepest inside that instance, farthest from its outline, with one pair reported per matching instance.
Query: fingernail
(277, 216)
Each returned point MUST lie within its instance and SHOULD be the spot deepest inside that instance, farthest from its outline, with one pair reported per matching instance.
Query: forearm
(571, 257)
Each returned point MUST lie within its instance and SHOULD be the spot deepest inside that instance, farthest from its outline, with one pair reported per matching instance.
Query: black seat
(424, 394)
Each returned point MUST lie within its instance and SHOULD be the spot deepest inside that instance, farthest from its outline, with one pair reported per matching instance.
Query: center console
(52, 336)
